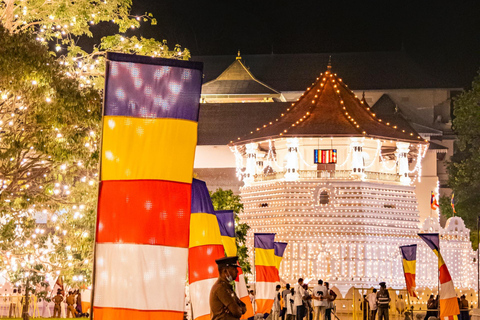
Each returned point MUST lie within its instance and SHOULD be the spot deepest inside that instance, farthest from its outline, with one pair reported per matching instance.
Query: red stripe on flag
(410, 281)
(129, 314)
(201, 262)
(266, 274)
(444, 274)
(144, 212)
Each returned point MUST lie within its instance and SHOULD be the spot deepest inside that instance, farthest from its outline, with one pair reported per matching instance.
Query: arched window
(324, 197)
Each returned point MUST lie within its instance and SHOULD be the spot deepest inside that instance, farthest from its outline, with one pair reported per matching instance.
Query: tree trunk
(25, 315)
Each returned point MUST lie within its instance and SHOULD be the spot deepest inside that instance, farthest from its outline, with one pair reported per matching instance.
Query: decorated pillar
(251, 167)
(402, 161)
(358, 166)
(291, 168)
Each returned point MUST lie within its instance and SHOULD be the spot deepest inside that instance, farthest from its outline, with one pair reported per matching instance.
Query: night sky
(438, 34)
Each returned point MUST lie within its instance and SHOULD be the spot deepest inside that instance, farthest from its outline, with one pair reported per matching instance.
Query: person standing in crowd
(290, 303)
(307, 301)
(383, 302)
(284, 298)
(372, 304)
(464, 308)
(275, 314)
(224, 303)
(331, 296)
(320, 301)
(78, 307)
(400, 305)
(70, 302)
(431, 307)
(298, 300)
(251, 295)
(57, 309)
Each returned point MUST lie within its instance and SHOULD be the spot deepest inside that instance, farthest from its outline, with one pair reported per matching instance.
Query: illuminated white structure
(344, 216)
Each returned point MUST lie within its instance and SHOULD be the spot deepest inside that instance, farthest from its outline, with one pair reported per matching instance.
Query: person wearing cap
(383, 302)
(224, 303)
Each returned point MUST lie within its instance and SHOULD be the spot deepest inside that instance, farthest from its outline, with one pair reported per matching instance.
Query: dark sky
(439, 34)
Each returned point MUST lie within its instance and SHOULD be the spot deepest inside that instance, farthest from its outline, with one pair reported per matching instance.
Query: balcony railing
(331, 175)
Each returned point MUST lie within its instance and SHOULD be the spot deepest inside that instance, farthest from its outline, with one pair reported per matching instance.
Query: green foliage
(227, 200)
(48, 164)
(464, 176)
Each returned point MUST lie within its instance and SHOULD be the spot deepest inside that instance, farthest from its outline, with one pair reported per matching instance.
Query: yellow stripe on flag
(409, 266)
(441, 262)
(206, 230)
(264, 257)
(138, 148)
(230, 246)
(278, 260)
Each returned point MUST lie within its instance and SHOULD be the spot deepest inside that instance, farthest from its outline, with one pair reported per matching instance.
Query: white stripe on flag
(200, 296)
(241, 287)
(141, 277)
(265, 290)
(447, 290)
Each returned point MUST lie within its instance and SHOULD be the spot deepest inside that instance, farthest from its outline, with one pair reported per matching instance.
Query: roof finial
(363, 95)
(329, 66)
(238, 56)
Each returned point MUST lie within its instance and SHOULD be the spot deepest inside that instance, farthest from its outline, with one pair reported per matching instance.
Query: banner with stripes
(449, 309)
(265, 271)
(409, 261)
(148, 143)
(279, 250)
(205, 247)
(226, 221)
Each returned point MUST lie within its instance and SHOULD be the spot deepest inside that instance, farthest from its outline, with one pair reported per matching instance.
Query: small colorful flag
(279, 249)
(409, 257)
(448, 298)
(265, 271)
(452, 203)
(433, 202)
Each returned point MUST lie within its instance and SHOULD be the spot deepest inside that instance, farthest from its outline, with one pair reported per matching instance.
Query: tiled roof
(362, 70)
(329, 108)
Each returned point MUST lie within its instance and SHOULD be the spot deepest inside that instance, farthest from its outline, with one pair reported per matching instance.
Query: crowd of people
(69, 306)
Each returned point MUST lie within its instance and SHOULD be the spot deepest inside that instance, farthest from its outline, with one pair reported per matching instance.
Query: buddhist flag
(433, 202)
(226, 222)
(409, 257)
(448, 299)
(279, 249)
(205, 247)
(452, 203)
(143, 219)
(265, 271)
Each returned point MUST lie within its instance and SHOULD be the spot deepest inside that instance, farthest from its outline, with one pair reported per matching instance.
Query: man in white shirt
(372, 303)
(298, 299)
(319, 301)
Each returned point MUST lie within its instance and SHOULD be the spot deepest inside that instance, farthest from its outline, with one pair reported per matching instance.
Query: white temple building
(338, 183)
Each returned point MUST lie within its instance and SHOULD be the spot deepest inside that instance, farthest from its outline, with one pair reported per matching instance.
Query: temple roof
(329, 108)
(237, 80)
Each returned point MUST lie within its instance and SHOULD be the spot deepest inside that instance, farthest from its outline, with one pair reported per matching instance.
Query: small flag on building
(452, 203)
(409, 261)
(448, 298)
(433, 202)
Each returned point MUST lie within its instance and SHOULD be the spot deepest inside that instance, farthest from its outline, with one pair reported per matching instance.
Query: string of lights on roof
(337, 85)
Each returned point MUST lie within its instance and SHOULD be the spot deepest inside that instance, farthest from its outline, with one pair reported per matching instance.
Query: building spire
(329, 66)
(238, 55)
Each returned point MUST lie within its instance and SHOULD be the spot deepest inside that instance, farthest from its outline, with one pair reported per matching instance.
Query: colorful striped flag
(143, 220)
(409, 257)
(279, 249)
(205, 247)
(265, 271)
(452, 203)
(448, 298)
(226, 221)
(433, 202)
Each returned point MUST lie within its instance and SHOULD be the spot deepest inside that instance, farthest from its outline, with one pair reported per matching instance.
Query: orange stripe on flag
(264, 305)
(129, 314)
(248, 303)
(449, 307)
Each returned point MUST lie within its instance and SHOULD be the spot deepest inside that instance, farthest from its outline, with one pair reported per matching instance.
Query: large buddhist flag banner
(205, 247)
(143, 218)
(265, 271)
(409, 260)
(279, 250)
(226, 222)
(448, 299)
